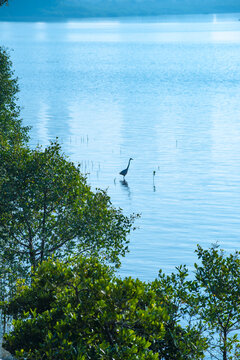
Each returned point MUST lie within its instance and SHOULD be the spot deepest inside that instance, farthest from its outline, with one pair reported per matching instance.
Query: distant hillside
(61, 9)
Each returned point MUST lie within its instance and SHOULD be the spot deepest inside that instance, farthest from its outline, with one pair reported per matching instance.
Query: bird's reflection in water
(125, 186)
(154, 187)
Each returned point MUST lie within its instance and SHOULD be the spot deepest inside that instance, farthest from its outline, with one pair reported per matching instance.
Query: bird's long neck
(128, 164)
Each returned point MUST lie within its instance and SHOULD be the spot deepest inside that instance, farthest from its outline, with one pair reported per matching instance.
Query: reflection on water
(125, 186)
(154, 187)
(166, 92)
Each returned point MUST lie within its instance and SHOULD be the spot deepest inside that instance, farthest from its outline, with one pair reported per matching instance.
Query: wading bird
(124, 172)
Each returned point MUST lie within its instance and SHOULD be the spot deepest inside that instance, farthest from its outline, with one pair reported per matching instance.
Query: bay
(164, 91)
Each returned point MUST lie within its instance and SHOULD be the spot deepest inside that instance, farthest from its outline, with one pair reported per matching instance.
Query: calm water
(165, 92)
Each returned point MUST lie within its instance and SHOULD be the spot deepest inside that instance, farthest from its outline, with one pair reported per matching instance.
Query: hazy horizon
(60, 10)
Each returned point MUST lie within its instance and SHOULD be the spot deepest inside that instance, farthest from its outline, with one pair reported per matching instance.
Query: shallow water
(164, 91)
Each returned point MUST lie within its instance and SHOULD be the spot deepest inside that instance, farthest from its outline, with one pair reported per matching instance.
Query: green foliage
(11, 129)
(79, 310)
(47, 207)
(12, 134)
(218, 295)
(2, 2)
(184, 338)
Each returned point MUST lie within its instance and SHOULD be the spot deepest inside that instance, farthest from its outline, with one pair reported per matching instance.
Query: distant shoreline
(160, 17)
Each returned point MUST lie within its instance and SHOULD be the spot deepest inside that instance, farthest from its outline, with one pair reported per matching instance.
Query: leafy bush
(46, 207)
(79, 310)
(11, 129)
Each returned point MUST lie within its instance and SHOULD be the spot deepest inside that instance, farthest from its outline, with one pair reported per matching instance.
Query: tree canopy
(80, 310)
(47, 207)
(2, 2)
(217, 292)
(11, 129)
(176, 294)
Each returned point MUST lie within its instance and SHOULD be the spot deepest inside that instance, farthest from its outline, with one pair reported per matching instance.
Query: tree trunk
(224, 345)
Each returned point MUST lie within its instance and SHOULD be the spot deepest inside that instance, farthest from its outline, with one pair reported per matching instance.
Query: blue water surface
(164, 91)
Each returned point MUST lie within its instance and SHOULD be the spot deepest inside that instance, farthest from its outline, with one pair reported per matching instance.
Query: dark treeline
(59, 9)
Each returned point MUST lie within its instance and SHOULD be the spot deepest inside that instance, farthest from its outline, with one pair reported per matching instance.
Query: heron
(125, 171)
